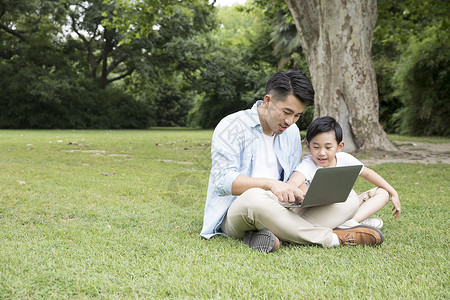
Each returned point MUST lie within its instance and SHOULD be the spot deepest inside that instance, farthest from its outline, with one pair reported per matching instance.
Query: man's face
(282, 113)
(323, 148)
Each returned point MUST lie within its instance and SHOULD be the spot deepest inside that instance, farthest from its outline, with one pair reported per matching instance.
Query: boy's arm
(304, 188)
(373, 177)
(296, 179)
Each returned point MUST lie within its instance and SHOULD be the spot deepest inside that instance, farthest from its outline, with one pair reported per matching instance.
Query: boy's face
(323, 148)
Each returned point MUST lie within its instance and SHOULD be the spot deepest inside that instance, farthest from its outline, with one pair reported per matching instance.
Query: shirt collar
(254, 116)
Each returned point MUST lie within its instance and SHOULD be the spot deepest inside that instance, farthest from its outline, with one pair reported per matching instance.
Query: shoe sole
(262, 240)
(368, 227)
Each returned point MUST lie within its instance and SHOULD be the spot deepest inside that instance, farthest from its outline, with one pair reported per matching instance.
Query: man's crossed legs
(258, 218)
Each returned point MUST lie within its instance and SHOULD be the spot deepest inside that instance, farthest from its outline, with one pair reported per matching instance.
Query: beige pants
(363, 197)
(257, 209)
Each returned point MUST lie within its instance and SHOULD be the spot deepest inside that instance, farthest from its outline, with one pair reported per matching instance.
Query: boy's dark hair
(324, 124)
(284, 83)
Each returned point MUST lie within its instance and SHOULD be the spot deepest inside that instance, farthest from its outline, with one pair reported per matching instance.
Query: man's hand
(284, 192)
(287, 193)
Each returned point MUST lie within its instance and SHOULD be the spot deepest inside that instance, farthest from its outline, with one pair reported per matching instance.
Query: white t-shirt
(266, 161)
(308, 167)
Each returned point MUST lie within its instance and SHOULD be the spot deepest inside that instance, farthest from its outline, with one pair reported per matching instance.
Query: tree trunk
(336, 36)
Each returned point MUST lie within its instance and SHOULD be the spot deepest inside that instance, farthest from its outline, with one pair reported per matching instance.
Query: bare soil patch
(409, 152)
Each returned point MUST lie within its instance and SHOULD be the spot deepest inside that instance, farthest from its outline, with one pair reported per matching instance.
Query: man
(253, 154)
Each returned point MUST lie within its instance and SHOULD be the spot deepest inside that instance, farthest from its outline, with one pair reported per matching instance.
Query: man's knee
(256, 198)
(246, 210)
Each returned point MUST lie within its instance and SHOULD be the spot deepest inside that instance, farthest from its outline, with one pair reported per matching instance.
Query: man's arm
(284, 192)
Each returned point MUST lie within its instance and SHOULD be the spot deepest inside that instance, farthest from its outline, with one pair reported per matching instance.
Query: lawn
(117, 214)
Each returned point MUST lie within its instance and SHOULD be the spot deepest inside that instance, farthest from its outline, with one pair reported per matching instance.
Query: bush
(36, 99)
(225, 86)
(385, 67)
(423, 80)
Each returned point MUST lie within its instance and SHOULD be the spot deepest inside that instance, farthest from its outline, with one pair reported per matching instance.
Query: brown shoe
(360, 235)
(262, 240)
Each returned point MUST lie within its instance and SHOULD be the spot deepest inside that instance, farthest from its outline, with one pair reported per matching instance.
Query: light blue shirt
(233, 151)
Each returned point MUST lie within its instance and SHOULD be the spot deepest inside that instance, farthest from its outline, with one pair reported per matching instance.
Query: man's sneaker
(374, 222)
(262, 240)
(360, 235)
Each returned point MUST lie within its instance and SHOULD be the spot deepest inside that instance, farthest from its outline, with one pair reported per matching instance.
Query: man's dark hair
(284, 83)
(324, 124)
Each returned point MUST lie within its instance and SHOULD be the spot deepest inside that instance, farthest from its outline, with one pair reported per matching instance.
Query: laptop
(329, 185)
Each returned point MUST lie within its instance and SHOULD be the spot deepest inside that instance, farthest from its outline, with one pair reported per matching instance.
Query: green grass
(117, 214)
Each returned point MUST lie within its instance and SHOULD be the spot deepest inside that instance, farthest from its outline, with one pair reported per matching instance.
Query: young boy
(324, 140)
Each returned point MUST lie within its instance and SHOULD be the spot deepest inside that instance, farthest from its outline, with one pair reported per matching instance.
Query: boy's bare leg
(371, 205)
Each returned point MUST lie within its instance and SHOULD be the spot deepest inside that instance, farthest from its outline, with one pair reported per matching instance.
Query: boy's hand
(396, 209)
(287, 193)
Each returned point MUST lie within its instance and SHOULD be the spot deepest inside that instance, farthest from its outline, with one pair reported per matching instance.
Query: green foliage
(226, 86)
(306, 118)
(389, 104)
(284, 38)
(31, 99)
(171, 57)
(54, 79)
(398, 20)
(170, 103)
(189, 63)
(402, 24)
(231, 76)
(239, 59)
(423, 80)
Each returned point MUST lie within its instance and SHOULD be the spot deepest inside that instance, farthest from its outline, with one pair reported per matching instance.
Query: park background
(120, 64)
(87, 211)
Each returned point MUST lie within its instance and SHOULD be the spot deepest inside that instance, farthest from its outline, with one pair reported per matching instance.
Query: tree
(98, 63)
(336, 37)
(41, 85)
(168, 79)
(100, 44)
(233, 64)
